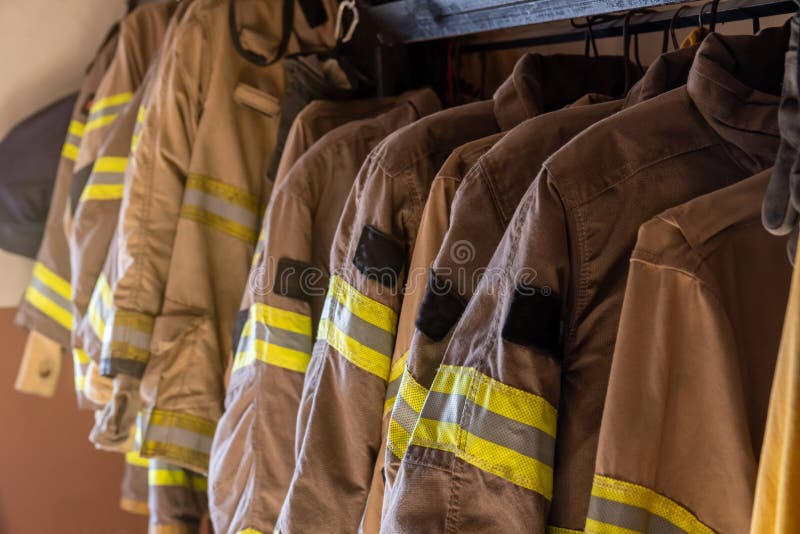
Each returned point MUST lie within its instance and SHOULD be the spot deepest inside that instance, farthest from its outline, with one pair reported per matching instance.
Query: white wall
(46, 46)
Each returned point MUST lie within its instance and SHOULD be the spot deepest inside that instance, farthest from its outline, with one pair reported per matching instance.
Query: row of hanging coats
(297, 309)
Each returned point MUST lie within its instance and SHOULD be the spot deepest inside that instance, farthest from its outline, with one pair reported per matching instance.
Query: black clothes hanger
(626, 44)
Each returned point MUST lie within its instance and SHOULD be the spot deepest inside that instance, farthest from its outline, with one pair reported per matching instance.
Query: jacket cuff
(126, 344)
(177, 438)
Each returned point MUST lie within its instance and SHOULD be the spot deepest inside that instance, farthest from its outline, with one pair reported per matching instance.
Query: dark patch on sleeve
(290, 277)
(534, 319)
(238, 327)
(379, 256)
(440, 310)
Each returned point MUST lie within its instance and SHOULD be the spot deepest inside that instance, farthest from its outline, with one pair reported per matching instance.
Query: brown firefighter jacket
(190, 216)
(474, 233)
(46, 308)
(102, 159)
(345, 388)
(253, 455)
(687, 399)
(514, 411)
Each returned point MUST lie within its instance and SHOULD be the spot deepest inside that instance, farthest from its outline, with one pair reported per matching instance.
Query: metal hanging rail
(410, 21)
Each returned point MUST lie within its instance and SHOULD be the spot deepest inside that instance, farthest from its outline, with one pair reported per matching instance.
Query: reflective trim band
(126, 337)
(137, 129)
(359, 328)
(105, 110)
(395, 375)
(249, 531)
(259, 249)
(177, 437)
(617, 506)
(221, 206)
(405, 412)
(73, 140)
(100, 306)
(559, 530)
(51, 295)
(276, 337)
(162, 475)
(80, 361)
(495, 427)
(106, 180)
(134, 458)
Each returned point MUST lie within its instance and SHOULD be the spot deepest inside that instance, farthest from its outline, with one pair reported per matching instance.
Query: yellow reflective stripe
(249, 531)
(80, 357)
(52, 280)
(362, 306)
(48, 307)
(102, 192)
(76, 128)
(223, 191)
(398, 439)
(293, 360)
(516, 404)
(134, 458)
(283, 319)
(560, 530)
(80, 382)
(70, 151)
(109, 101)
(398, 367)
(630, 494)
(596, 527)
(176, 454)
(198, 425)
(453, 380)
(360, 355)
(412, 392)
(505, 463)
(218, 222)
(99, 122)
(110, 164)
(176, 477)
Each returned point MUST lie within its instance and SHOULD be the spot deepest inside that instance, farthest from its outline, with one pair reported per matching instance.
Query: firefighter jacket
(254, 448)
(778, 483)
(688, 392)
(46, 307)
(473, 234)
(189, 219)
(97, 183)
(29, 157)
(345, 386)
(778, 486)
(514, 410)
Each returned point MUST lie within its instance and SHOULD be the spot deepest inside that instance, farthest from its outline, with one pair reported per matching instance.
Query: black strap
(258, 59)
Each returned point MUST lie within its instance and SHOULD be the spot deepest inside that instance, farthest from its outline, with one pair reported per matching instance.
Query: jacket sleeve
(339, 419)
(674, 415)
(151, 206)
(481, 440)
(252, 459)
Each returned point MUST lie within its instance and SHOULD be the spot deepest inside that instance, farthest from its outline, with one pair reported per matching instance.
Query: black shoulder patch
(290, 279)
(314, 12)
(379, 256)
(79, 181)
(534, 319)
(440, 310)
(238, 327)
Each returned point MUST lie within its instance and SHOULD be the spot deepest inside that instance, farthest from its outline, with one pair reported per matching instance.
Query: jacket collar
(539, 84)
(667, 72)
(735, 84)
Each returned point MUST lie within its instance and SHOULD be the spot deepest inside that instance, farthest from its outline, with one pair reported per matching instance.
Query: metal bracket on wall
(409, 21)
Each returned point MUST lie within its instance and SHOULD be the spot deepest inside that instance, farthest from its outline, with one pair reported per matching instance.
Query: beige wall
(46, 45)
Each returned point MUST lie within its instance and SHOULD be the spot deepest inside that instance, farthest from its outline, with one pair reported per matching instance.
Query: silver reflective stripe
(284, 338)
(404, 415)
(355, 327)
(52, 295)
(393, 387)
(134, 337)
(106, 178)
(219, 207)
(179, 436)
(630, 517)
(490, 426)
